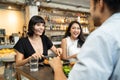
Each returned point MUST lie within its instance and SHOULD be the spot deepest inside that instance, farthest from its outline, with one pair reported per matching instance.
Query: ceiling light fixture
(37, 3)
(48, 1)
(9, 7)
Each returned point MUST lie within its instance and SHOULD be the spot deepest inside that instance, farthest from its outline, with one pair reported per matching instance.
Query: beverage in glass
(33, 64)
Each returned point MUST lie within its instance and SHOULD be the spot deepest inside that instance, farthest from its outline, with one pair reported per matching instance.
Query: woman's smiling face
(75, 30)
(39, 28)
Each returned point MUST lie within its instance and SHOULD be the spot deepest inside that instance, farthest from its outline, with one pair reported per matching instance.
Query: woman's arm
(20, 61)
(57, 51)
(64, 49)
(72, 56)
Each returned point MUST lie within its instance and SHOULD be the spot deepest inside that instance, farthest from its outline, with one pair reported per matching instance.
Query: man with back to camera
(99, 58)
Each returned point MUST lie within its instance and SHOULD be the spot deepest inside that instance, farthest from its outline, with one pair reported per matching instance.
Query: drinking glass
(33, 64)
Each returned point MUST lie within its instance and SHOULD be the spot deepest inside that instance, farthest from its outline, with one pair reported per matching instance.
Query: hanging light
(48, 1)
(9, 7)
(37, 3)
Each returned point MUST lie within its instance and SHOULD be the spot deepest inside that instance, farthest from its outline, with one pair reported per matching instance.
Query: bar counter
(6, 46)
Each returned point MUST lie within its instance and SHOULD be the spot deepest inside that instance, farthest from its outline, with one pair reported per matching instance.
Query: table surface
(44, 73)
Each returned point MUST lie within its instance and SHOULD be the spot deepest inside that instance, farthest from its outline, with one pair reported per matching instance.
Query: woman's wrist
(59, 51)
(29, 58)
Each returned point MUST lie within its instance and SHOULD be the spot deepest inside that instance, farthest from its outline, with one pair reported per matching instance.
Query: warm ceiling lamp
(9, 7)
(48, 1)
(37, 3)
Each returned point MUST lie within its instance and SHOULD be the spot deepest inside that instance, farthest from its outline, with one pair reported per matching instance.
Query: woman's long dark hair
(34, 20)
(80, 37)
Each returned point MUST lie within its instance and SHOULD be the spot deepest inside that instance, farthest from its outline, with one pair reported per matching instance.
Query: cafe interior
(14, 19)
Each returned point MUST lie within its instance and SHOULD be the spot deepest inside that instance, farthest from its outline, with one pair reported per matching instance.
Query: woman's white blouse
(72, 48)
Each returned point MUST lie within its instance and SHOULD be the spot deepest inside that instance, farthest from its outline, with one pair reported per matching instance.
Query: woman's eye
(73, 28)
(38, 24)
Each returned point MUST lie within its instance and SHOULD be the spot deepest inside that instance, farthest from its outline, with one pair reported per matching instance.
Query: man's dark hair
(113, 5)
(34, 20)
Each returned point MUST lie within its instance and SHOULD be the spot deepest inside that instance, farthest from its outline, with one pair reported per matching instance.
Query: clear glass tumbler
(33, 64)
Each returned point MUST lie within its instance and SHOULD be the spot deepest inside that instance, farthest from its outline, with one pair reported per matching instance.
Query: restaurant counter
(6, 46)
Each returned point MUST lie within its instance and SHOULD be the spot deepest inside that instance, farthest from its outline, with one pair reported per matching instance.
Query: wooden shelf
(55, 30)
(57, 21)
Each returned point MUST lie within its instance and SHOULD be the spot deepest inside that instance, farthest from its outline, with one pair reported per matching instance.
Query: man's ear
(101, 5)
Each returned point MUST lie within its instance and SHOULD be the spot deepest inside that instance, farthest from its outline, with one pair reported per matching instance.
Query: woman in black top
(36, 44)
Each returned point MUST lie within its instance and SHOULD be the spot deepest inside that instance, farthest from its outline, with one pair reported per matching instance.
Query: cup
(33, 64)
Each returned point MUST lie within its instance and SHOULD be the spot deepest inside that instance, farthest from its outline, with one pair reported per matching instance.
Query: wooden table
(44, 73)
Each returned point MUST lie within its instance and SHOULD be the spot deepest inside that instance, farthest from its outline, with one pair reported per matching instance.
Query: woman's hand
(37, 55)
(59, 51)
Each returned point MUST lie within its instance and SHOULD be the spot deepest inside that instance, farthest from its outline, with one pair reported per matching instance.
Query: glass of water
(33, 64)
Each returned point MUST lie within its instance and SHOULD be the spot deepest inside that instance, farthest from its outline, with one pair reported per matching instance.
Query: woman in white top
(72, 41)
